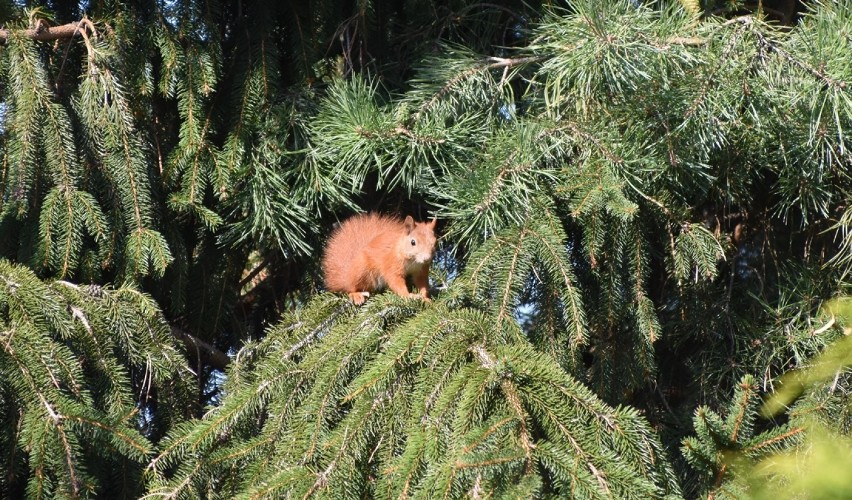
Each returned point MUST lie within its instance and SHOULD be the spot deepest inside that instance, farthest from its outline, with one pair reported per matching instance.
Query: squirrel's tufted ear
(432, 224)
(409, 224)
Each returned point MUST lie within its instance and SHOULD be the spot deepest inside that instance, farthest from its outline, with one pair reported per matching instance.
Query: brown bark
(42, 32)
(205, 352)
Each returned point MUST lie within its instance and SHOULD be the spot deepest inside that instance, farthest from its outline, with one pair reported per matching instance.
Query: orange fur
(370, 252)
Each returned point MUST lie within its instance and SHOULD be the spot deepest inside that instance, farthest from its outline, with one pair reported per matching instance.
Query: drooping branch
(43, 32)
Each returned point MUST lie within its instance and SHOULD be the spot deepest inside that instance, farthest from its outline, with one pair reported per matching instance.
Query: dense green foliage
(435, 406)
(643, 207)
(77, 364)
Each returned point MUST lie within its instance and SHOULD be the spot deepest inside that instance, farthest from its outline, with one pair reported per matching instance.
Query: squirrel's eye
(413, 242)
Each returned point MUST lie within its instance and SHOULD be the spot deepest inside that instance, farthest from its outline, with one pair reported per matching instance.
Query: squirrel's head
(418, 244)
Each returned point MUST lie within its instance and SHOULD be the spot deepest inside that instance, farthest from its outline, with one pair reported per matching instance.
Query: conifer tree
(642, 206)
(90, 376)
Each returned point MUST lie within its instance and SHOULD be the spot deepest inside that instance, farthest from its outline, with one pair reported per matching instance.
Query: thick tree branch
(42, 32)
(207, 353)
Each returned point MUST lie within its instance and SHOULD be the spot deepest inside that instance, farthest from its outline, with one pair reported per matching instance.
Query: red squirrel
(370, 252)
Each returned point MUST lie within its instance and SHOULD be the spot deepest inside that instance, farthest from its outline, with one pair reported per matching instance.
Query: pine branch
(802, 65)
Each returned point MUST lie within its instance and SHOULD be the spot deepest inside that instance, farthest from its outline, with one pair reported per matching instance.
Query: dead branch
(43, 32)
(207, 353)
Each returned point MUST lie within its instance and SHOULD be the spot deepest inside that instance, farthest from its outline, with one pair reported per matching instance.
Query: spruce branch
(720, 446)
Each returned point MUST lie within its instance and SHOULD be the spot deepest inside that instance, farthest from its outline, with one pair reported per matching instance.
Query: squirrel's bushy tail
(345, 247)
